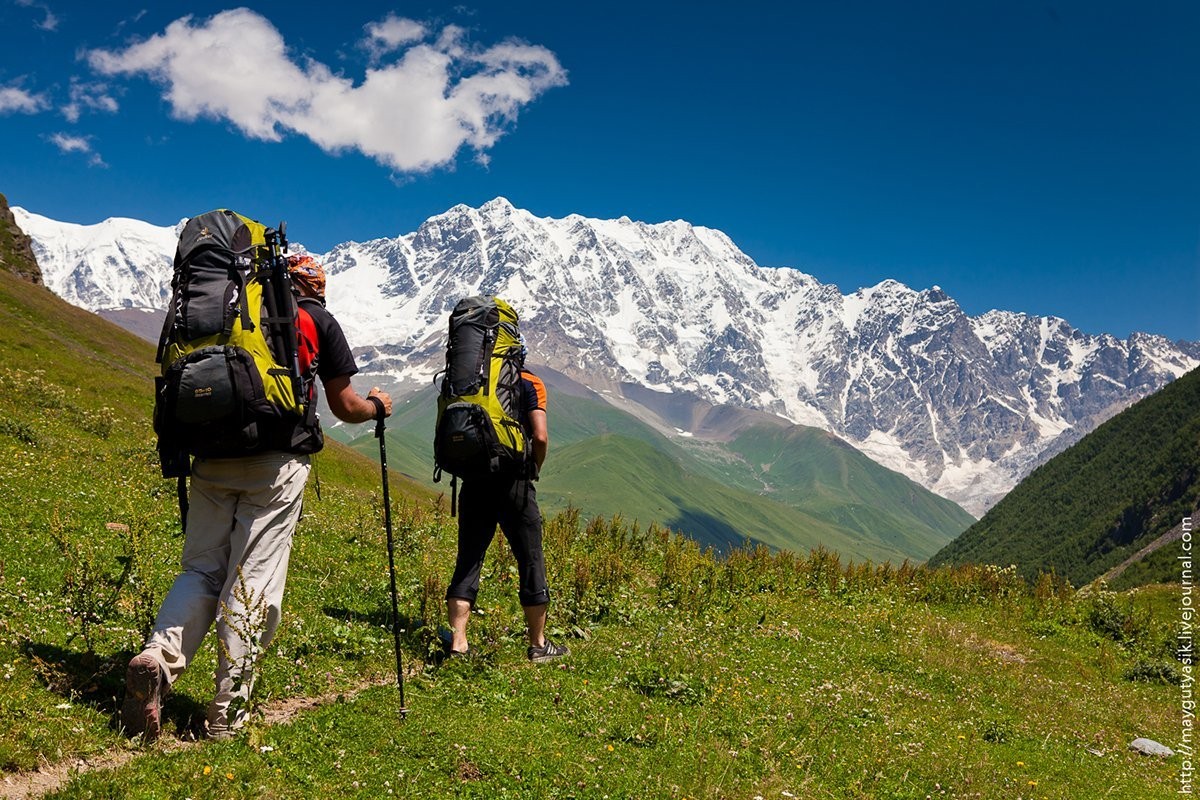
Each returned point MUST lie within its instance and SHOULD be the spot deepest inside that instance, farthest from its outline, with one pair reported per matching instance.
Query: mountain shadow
(708, 530)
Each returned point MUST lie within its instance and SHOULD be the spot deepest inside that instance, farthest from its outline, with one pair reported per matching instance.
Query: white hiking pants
(242, 514)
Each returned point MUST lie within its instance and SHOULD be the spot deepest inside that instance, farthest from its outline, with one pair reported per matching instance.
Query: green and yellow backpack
(231, 382)
(477, 431)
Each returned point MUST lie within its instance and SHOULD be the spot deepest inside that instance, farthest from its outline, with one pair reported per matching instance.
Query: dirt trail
(50, 777)
(1173, 535)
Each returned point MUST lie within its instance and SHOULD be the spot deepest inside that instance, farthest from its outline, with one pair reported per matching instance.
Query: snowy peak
(966, 406)
(117, 263)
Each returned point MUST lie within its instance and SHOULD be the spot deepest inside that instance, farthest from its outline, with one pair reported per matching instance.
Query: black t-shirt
(533, 398)
(334, 359)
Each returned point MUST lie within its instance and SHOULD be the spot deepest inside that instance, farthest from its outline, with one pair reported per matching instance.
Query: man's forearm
(349, 406)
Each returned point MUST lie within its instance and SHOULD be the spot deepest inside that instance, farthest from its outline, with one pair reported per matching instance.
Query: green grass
(692, 676)
(710, 685)
(612, 474)
(813, 470)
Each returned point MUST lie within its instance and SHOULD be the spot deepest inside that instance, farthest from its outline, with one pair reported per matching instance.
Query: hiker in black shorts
(511, 502)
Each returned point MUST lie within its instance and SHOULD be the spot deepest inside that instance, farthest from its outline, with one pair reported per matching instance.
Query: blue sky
(1040, 157)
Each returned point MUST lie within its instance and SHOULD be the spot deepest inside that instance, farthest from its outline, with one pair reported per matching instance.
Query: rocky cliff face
(16, 248)
(964, 405)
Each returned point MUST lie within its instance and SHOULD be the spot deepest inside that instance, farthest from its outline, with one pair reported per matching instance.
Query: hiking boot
(141, 715)
(547, 652)
(220, 733)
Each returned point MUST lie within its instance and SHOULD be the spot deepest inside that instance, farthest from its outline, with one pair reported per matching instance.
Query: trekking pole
(281, 304)
(387, 523)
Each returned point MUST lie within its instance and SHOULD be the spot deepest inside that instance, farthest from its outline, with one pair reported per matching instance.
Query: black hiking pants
(512, 504)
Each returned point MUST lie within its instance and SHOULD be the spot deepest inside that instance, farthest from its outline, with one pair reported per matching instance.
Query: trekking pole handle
(380, 414)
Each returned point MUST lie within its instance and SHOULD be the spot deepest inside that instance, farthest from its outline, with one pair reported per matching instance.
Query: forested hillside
(1118, 490)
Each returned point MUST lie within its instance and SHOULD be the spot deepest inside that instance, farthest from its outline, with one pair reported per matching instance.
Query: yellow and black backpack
(477, 431)
(231, 383)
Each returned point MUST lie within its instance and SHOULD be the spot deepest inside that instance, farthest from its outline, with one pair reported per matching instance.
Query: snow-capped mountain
(965, 406)
(118, 263)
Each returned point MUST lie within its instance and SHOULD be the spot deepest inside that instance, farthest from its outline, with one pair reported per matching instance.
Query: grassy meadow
(758, 674)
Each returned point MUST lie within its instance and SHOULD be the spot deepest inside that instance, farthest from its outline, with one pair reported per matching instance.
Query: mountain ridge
(964, 405)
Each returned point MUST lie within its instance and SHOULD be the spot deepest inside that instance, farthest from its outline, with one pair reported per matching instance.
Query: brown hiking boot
(142, 713)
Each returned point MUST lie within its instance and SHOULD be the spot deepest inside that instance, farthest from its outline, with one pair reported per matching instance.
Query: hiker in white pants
(241, 515)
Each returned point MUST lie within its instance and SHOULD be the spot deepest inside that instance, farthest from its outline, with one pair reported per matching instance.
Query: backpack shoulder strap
(306, 325)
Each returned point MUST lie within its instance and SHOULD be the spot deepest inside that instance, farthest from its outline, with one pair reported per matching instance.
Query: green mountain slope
(1089, 508)
(91, 538)
(76, 397)
(816, 471)
(787, 486)
(611, 474)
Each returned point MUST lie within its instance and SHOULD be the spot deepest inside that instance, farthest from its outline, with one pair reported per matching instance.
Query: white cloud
(411, 114)
(77, 144)
(14, 100)
(392, 33)
(88, 97)
(71, 144)
(49, 22)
